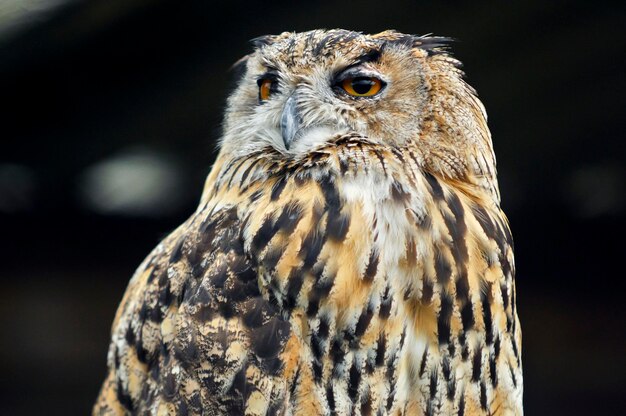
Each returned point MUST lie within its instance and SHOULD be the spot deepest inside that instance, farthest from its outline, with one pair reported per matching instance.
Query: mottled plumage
(350, 260)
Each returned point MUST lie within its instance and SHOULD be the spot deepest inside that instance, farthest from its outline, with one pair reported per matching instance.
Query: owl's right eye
(267, 87)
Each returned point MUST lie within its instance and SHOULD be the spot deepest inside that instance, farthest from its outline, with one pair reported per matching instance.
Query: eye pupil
(362, 85)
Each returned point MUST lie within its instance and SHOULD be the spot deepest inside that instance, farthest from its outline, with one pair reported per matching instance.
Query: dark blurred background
(112, 109)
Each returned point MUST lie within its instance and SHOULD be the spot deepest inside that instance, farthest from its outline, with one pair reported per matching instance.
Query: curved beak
(290, 120)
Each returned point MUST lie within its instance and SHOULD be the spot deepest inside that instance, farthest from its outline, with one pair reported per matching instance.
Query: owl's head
(300, 90)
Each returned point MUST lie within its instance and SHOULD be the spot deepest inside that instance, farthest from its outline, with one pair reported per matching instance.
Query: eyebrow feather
(369, 56)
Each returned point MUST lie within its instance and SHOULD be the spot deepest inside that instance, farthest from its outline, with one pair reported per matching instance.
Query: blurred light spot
(14, 14)
(17, 188)
(597, 190)
(136, 182)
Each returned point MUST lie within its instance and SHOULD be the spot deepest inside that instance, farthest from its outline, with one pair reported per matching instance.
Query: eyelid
(355, 72)
(270, 74)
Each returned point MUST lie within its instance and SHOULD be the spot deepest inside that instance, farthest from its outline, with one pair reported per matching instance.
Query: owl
(348, 255)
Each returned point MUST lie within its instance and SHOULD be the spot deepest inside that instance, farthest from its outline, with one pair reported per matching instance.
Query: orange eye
(265, 88)
(362, 86)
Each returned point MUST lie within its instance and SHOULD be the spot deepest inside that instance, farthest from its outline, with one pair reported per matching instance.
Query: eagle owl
(348, 256)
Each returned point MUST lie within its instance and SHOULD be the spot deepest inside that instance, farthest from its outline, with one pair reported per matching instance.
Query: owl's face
(300, 90)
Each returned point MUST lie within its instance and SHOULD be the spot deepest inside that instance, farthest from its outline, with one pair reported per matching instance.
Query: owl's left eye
(267, 86)
(362, 86)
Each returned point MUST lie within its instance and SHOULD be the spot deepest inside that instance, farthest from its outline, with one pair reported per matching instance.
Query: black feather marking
(430, 410)
(268, 340)
(451, 387)
(427, 290)
(165, 295)
(390, 399)
(294, 284)
(467, 316)
(142, 354)
(262, 41)
(515, 352)
(451, 348)
(336, 352)
(272, 257)
(313, 242)
(437, 191)
(493, 374)
(381, 346)
(337, 225)
(188, 353)
(217, 276)
(170, 387)
(483, 396)
(513, 379)
(257, 312)
(239, 383)
(294, 383)
(317, 370)
(465, 352)
(443, 270)
(458, 230)
(404, 40)
(204, 314)
(124, 397)
(323, 329)
(330, 396)
(130, 336)
(366, 405)
(363, 322)
(277, 188)
(333, 38)
(398, 194)
(433, 44)
(505, 295)
(423, 362)
(487, 318)
(254, 196)
(321, 288)
(330, 193)
(485, 221)
(234, 173)
(242, 269)
(445, 367)
(443, 320)
(272, 366)
(316, 345)
(385, 304)
(338, 222)
(353, 382)
(155, 314)
(432, 388)
(177, 250)
(343, 166)
(183, 409)
(372, 266)
(496, 347)
(289, 218)
(246, 172)
(477, 364)
(311, 248)
(264, 234)
(373, 55)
